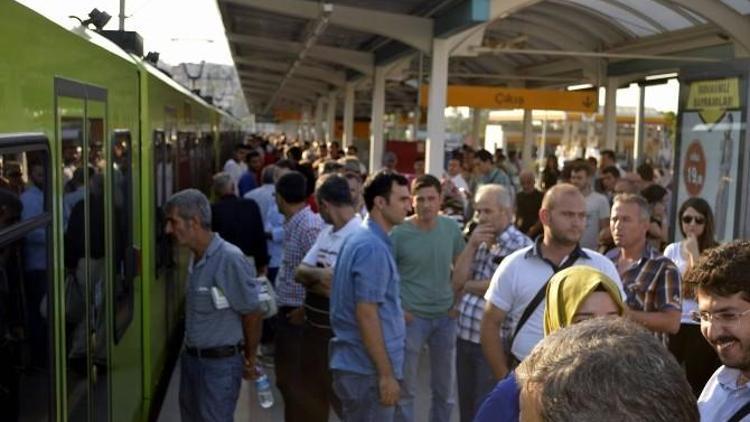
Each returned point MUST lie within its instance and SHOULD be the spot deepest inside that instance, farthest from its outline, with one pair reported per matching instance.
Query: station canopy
(290, 53)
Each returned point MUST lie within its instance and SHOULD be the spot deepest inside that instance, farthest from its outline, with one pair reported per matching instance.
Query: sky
(193, 31)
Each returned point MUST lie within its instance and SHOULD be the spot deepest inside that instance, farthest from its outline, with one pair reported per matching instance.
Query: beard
(738, 357)
(564, 238)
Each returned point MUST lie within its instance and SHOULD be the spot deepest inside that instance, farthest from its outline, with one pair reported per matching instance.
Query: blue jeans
(360, 398)
(209, 388)
(475, 378)
(440, 336)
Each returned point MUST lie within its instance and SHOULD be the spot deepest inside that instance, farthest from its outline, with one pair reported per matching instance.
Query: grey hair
(190, 203)
(267, 175)
(630, 198)
(606, 369)
(502, 196)
(223, 183)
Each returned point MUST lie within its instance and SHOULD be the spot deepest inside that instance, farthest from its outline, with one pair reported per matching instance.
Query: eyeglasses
(718, 317)
(688, 219)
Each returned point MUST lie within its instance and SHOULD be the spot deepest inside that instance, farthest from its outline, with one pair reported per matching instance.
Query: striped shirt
(486, 261)
(300, 233)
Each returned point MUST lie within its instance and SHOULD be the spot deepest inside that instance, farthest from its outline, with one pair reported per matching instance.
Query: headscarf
(568, 289)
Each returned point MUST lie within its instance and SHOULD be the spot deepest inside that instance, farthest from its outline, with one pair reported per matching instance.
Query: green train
(92, 142)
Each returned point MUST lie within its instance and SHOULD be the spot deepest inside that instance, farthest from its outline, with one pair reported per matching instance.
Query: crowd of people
(536, 296)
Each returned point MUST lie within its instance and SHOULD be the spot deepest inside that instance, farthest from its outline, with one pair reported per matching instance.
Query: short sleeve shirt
(323, 254)
(520, 277)
(224, 267)
(424, 260)
(597, 209)
(365, 272)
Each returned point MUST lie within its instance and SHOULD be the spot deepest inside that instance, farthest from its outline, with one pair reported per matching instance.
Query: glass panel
(25, 339)
(122, 232)
(98, 305)
(75, 246)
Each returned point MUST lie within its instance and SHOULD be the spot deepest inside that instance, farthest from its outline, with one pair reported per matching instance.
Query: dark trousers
(316, 378)
(287, 354)
(475, 378)
(695, 354)
(8, 381)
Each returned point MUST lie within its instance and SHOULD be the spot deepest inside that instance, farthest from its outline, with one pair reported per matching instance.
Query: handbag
(266, 297)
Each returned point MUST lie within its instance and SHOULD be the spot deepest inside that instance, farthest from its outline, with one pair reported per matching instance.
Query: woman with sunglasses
(573, 295)
(696, 224)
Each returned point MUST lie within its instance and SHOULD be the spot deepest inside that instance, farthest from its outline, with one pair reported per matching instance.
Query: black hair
(426, 181)
(380, 184)
(334, 188)
(646, 172)
(614, 171)
(295, 153)
(292, 187)
(483, 155)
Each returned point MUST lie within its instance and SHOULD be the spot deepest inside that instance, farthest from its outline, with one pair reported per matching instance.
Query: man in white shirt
(720, 281)
(316, 273)
(236, 165)
(597, 205)
(523, 275)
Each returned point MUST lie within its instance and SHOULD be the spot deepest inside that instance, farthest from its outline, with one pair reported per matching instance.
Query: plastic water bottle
(263, 388)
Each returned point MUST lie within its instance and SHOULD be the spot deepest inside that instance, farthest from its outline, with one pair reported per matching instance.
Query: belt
(215, 352)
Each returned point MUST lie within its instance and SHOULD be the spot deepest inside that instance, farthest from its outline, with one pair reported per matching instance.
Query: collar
(299, 216)
(648, 253)
(536, 251)
(505, 234)
(377, 230)
(212, 248)
(353, 222)
(728, 378)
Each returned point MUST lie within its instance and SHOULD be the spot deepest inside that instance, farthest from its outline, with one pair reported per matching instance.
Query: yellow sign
(712, 98)
(531, 99)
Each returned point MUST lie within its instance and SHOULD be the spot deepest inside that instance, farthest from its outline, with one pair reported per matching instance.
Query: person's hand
(297, 316)
(408, 317)
(250, 370)
(453, 313)
(690, 246)
(483, 233)
(389, 390)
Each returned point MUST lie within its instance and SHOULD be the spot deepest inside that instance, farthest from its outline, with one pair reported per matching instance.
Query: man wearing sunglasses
(722, 285)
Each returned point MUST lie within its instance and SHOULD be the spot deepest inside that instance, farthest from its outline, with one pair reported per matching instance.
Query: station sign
(491, 97)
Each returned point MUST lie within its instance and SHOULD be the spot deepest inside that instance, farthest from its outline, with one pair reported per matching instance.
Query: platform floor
(249, 410)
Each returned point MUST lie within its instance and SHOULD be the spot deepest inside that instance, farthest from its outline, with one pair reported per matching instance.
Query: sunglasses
(688, 219)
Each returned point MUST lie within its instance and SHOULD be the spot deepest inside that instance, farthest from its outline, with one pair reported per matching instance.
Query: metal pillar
(610, 115)
(436, 109)
(541, 154)
(331, 118)
(377, 143)
(528, 137)
(348, 136)
(640, 127)
(319, 119)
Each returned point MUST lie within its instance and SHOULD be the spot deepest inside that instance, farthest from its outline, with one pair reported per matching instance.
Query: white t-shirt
(459, 181)
(597, 208)
(236, 170)
(326, 248)
(673, 252)
(518, 279)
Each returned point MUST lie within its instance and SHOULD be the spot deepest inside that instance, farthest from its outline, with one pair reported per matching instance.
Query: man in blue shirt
(367, 351)
(222, 315)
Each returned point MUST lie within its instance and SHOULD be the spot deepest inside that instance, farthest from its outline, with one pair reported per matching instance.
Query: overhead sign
(713, 97)
(531, 99)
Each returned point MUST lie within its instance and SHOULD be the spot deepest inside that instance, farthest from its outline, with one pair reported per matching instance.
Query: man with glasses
(720, 281)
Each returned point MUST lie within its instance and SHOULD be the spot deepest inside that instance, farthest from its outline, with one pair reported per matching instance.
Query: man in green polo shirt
(425, 247)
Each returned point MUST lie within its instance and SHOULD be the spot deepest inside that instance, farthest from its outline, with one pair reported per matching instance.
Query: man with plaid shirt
(493, 239)
(301, 228)
(651, 281)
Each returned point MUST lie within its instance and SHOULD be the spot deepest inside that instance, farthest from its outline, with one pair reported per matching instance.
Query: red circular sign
(694, 172)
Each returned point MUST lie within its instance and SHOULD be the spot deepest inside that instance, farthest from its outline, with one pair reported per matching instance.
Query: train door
(81, 120)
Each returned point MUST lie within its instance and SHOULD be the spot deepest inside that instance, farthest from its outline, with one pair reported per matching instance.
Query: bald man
(528, 203)
(521, 279)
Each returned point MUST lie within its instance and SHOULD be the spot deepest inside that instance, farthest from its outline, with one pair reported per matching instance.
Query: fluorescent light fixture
(662, 76)
(579, 87)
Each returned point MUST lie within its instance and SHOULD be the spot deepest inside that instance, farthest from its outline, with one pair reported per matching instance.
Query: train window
(122, 232)
(184, 150)
(25, 274)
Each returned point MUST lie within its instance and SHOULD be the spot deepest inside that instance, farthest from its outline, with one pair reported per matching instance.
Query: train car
(93, 140)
